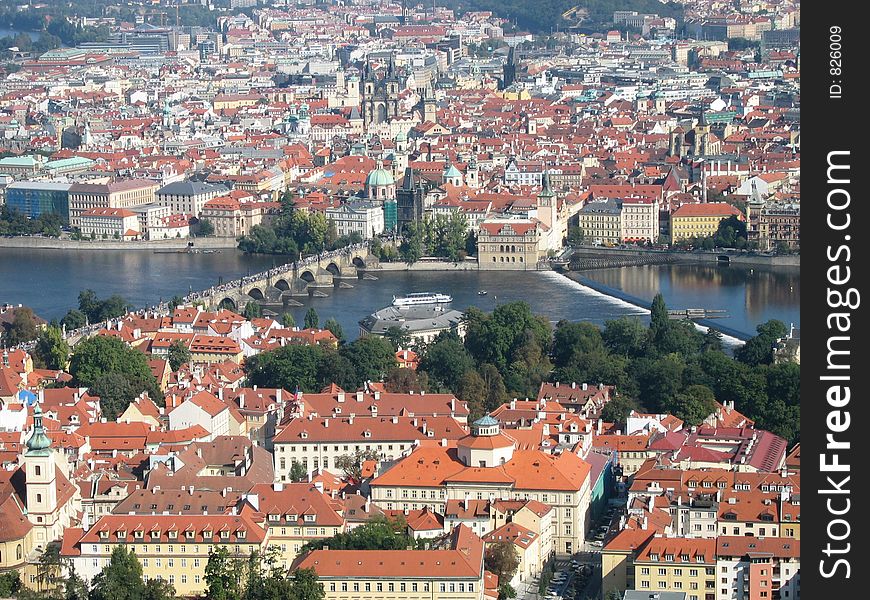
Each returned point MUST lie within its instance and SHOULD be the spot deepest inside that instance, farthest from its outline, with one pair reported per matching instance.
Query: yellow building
(677, 565)
(617, 560)
(294, 513)
(174, 548)
(455, 572)
(700, 220)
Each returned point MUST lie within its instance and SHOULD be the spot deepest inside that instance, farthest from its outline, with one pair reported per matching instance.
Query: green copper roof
(38, 441)
(380, 176)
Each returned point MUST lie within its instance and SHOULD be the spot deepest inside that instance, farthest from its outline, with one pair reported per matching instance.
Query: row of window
(390, 586)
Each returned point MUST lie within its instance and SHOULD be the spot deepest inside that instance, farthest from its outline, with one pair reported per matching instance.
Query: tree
(178, 355)
(121, 579)
(692, 405)
(23, 327)
(501, 559)
(297, 472)
(74, 319)
(398, 337)
(351, 464)
(100, 362)
(51, 350)
(288, 321)
(336, 368)
(624, 336)
(401, 380)
(10, 583)
(371, 356)
(412, 248)
(758, 350)
(222, 576)
(576, 236)
(659, 319)
(175, 302)
(506, 591)
(712, 341)
(335, 327)
(447, 361)
(472, 388)
(572, 339)
(253, 310)
(378, 533)
(305, 586)
(312, 320)
(205, 228)
(287, 368)
(618, 409)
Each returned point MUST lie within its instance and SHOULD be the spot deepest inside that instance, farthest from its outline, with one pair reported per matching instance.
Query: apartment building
(677, 565)
(125, 193)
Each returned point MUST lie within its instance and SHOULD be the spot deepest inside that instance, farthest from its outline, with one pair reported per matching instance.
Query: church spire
(38, 442)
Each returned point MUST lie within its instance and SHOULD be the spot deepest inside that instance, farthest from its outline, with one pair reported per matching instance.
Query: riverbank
(429, 265)
(734, 258)
(46, 243)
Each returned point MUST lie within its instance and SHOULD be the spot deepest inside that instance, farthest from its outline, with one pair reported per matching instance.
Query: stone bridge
(279, 285)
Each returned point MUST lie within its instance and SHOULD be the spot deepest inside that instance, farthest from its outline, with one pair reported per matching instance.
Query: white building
(205, 410)
(364, 218)
(110, 222)
(188, 197)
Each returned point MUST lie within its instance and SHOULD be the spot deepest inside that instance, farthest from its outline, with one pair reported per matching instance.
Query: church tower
(547, 203)
(41, 475)
(472, 173)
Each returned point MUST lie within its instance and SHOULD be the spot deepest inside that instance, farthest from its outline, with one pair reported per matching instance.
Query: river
(49, 282)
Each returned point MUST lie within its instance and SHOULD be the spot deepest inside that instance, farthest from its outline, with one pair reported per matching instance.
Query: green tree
(572, 339)
(502, 559)
(576, 236)
(51, 350)
(712, 341)
(335, 327)
(447, 361)
(336, 368)
(121, 579)
(618, 409)
(288, 321)
(297, 472)
(253, 310)
(472, 388)
(371, 356)
(205, 228)
(74, 319)
(401, 380)
(624, 336)
(692, 405)
(175, 302)
(10, 583)
(351, 465)
(378, 533)
(312, 320)
(286, 368)
(223, 577)
(758, 350)
(506, 591)
(178, 355)
(398, 337)
(23, 327)
(412, 248)
(100, 362)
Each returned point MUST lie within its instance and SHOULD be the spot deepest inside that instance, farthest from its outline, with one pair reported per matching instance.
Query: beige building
(601, 221)
(511, 244)
(125, 193)
(455, 572)
(109, 222)
(487, 465)
(174, 548)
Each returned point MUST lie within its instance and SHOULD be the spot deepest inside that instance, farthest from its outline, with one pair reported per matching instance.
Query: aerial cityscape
(370, 299)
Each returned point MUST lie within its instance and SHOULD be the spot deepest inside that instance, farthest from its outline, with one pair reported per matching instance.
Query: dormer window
(122, 535)
(104, 535)
(669, 557)
(225, 535)
(310, 518)
(206, 534)
(138, 535)
(241, 534)
(367, 433)
(684, 557)
(304, 435)
(190, 534)
(173, 535)
(274, 518)
(654, 557)
(155, 535)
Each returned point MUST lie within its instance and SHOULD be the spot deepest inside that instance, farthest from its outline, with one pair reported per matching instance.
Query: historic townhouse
(490, 465)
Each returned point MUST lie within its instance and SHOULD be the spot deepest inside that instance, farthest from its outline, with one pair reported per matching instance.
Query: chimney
(241, 400)
(341, 396)
(278, 486)
(191, 490)
(359, 396)
(350, 419)
(585, 386)
(395, 419)
(573, 385)
(326, 422)
(465, 503)
(598, 427)
(368, 505)
(318, 485)
(443, 442)
(278, 395)
(377, 395)
(255, 387)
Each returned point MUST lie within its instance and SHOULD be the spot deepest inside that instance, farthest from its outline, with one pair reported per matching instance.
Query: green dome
(380, 177)
(38, 441)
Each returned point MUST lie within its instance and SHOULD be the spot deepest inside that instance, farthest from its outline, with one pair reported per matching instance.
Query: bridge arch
(333, 268)
(256, 294)
(359, 262)
(307, 276)
(282, 285)
(228, 303)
